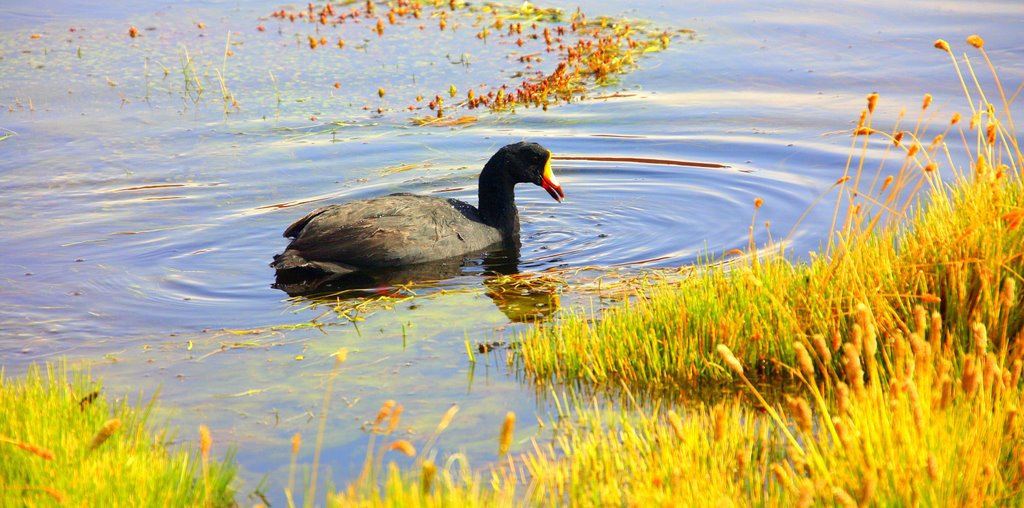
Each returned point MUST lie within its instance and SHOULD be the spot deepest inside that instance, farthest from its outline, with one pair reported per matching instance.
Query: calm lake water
(139, 215)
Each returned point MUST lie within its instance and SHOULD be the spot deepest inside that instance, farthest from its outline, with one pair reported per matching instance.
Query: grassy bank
(62, 442)
(899, 341)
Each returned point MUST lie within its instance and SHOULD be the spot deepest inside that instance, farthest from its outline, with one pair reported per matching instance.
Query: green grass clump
(62, 442)
(890, 252)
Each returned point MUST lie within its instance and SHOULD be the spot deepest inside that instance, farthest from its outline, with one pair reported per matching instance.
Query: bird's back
(394, 230)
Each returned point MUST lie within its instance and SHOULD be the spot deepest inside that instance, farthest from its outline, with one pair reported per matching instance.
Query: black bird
(406, 229)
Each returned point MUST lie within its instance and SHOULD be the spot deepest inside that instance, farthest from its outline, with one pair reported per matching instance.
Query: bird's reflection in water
(521, 297)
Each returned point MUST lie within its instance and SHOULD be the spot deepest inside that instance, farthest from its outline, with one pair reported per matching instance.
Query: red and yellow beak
(550, 183)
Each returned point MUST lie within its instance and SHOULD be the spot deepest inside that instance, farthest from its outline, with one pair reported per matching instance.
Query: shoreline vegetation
(899, 345)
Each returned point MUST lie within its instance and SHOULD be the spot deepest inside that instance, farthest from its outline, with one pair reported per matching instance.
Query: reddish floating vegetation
(589, 53)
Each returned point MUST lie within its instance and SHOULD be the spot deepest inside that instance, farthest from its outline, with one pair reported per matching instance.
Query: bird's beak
(549, 183)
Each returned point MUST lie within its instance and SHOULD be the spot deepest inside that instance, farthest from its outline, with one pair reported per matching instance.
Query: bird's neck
(497, 199)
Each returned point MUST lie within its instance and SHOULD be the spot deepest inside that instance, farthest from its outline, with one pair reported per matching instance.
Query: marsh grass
(62, 442)
(949, 252)
(900, 341)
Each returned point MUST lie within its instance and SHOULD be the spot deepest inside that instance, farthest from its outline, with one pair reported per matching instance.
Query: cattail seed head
(801, 412)
(821, 347)
(758, 202)
(935, 331)
(943, 45)
(1010, 421)
(980, 338)
(886, 183)
(730, 359)
(404, 446)
(782, 477)
(507, 428)
(931, 167)
(205, 442)
(920, 320)
(384, 412)
(843, 398)
(947, 391)
(867, 490)
(915, 405)
(806, 499)
(803, 359)
(989, 376)
(970, 376)
(395, 416)
(296, 443)
(1015, 373)
(990, 133)
(975, 41)
(897, 138)
(1008, 293)
(843, 498)
(914, 147)
(933, 468)
(927, 101)
(31, 448)
(955, 120)
(872, 102)
(854, 372)
(108, 429)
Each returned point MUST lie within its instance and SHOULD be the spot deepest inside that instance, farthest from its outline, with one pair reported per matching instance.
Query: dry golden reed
(507, 428)
(205, 442)
(108, 429)
(427, 475)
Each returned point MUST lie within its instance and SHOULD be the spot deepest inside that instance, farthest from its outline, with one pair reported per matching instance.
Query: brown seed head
(1008, 294)
(821, 347)
(758, 202)
(931, 166)
(384, 412)
(801, 412)
(842, 398)
(927, 101)
(803, 359)
(955, 120)
(872, 102)
(943, 45)
(730, 359)
(205, 442)
(990, 133)
(886, 183)
(109, 427)
(933, 468)
(914, 147)
(395, 416)
(896, 139)
(404, 446)
(971, 376)
(507, 428)
(975, 41)
(980, 338)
